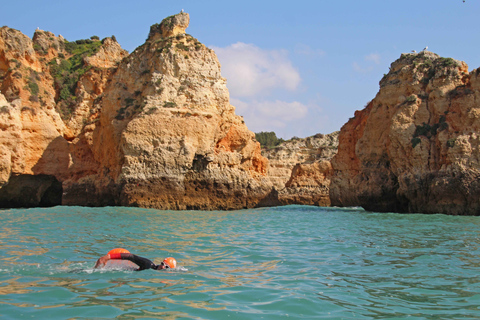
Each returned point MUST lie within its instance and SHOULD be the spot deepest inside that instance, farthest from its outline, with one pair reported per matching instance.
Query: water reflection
(13, 286)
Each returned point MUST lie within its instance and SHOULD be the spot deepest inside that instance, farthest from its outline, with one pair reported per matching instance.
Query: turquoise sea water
(271, 263)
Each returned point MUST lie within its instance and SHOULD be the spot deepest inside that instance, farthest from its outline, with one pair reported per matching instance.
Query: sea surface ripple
(269, 263)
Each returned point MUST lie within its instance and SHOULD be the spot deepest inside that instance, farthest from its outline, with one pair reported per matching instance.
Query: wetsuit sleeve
(143, 263)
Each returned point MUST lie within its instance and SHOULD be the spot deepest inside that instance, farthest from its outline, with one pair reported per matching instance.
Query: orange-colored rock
(170, 26)
(47, 45)
(28, 117)
(168, 135)
(240, 139)
(108, 56)
(154, 128)
(414, 148)
(35, 140)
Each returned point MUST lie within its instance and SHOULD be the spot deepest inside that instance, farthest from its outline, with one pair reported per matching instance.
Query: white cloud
(252, 71)
(269, 115)
(282, 110)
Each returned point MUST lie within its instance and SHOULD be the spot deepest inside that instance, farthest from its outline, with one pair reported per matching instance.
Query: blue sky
(294, 67)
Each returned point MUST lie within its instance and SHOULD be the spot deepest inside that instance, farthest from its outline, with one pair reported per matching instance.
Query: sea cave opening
(27, 191)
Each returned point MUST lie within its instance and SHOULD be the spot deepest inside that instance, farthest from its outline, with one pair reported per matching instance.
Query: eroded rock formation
(415, 147)
(300, 169)
(153, 128)
(87, 123)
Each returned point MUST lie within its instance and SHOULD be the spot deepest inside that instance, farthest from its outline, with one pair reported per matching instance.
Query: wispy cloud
(360, 69)
(374, 57)
(252, 71)
(269, 115)
(366, 65)
(253, 75)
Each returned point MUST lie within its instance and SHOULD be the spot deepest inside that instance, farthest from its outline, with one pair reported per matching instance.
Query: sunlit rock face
(300, 169)
(153, 128)
(415, 146)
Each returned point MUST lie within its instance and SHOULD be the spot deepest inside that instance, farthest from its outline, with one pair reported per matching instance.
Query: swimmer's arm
(101, 261)
(143, 263)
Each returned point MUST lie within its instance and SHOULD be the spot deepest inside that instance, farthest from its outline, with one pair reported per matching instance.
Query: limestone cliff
(153, 128)
(415, 147)
(300, 169)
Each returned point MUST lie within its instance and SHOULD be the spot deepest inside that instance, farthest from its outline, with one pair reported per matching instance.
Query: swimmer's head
(169, 263)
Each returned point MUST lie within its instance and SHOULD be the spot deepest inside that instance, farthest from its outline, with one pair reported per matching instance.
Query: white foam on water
(183, 269)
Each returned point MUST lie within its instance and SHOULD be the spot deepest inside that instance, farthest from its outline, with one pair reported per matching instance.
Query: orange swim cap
(170, 262)
(118, 250)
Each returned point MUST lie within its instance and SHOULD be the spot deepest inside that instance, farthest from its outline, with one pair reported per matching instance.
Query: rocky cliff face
(151, 129)
(48, 89)
(300, 169)
(87, 123)
(415, 147)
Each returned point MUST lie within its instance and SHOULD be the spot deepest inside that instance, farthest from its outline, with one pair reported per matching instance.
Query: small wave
(116, 269)
(182, 269)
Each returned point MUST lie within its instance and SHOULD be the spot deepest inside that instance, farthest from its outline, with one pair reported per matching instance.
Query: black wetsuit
(142, 263)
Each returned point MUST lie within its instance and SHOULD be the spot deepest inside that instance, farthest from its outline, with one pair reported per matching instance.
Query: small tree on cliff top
(268, 139)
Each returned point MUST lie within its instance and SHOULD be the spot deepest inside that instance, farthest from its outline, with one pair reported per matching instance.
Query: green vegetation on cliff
(268, 139)
(428, 131)
(67, 72)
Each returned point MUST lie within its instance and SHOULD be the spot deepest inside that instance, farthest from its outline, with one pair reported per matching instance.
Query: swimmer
(142, 263)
